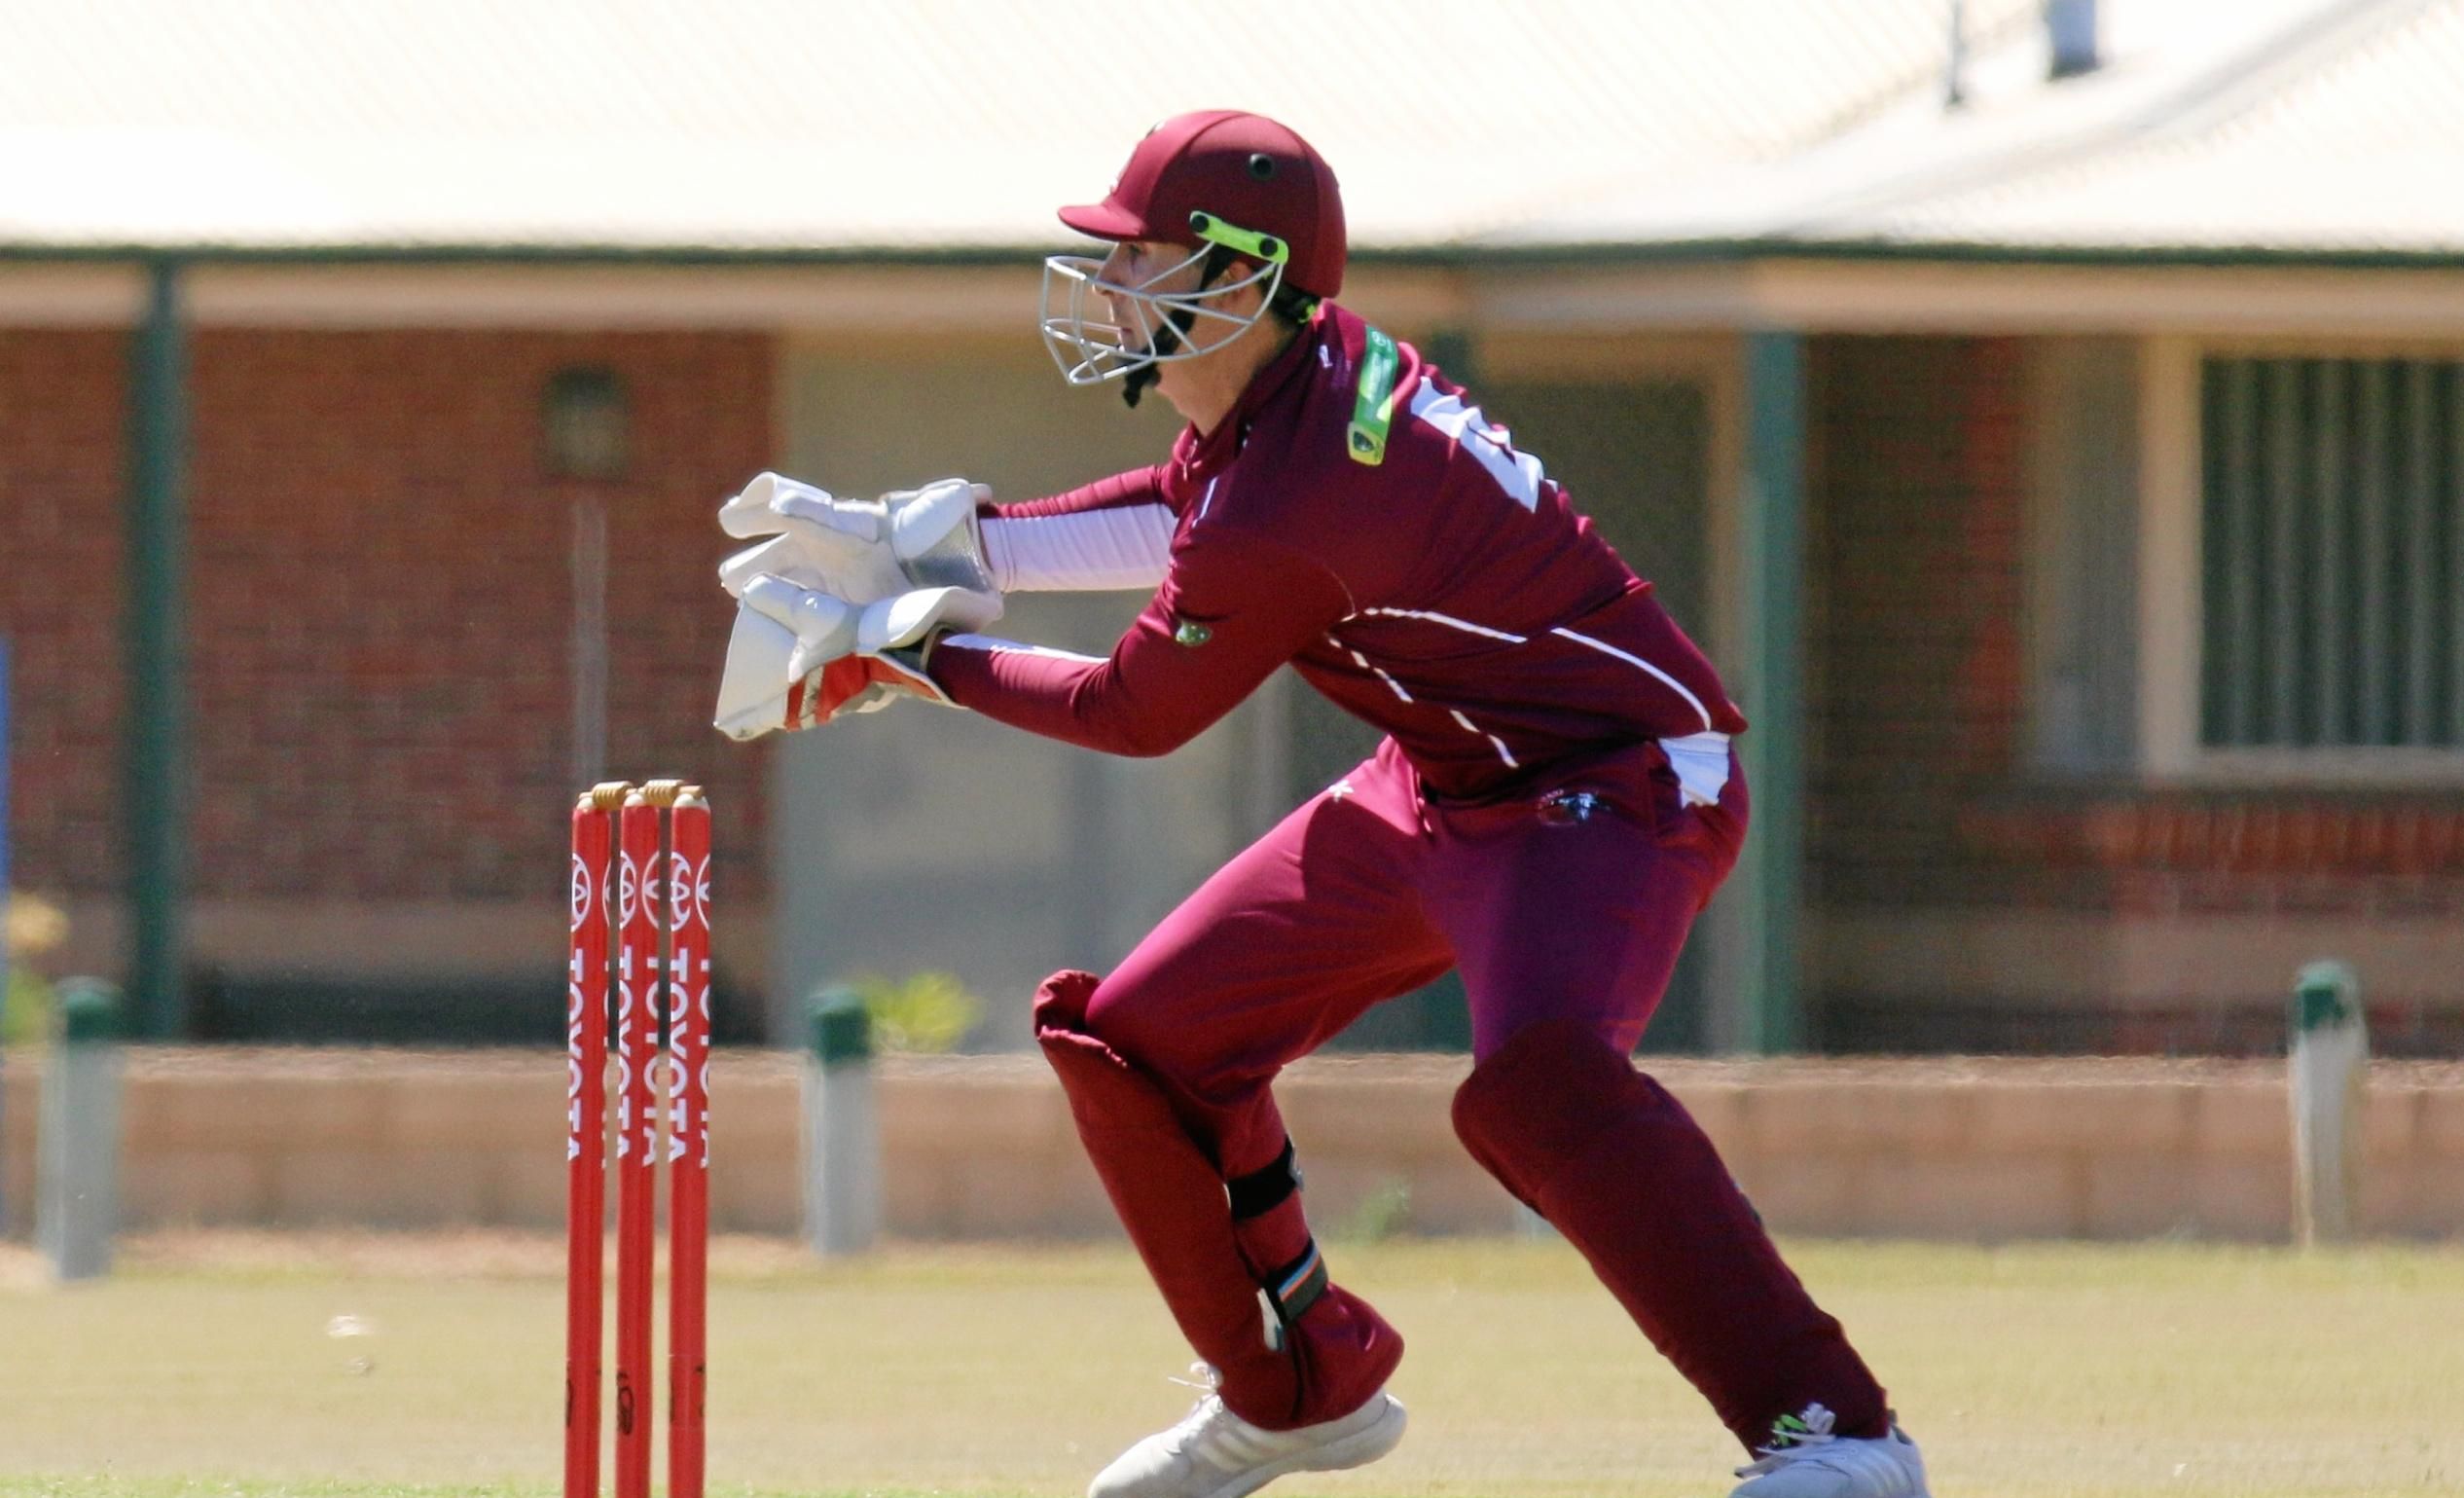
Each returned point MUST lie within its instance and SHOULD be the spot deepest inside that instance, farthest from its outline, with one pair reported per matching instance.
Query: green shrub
(25, 1009)
(34, 927)
(1384, 1213)
(923, 1013)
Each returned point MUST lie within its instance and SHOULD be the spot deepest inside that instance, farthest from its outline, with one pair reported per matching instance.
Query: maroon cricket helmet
(1244, 169)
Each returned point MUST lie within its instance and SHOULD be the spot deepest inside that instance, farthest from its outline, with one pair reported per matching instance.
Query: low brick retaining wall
(983, 1148)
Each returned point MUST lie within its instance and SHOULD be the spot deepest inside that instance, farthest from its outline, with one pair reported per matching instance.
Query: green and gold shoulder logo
(1192, 634)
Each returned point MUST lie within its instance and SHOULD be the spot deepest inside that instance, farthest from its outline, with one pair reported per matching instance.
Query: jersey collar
(1204, 457)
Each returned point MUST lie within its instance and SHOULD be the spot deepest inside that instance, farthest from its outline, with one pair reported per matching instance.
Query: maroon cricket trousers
(1565, 911)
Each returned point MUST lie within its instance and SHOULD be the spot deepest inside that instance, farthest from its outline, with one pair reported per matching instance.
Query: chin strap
(1168, 338)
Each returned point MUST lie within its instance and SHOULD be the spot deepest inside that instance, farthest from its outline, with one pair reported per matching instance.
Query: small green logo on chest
(1190, 633)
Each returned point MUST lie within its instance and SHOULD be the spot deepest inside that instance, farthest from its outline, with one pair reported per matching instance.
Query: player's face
(1147, 303)
(1135, 263)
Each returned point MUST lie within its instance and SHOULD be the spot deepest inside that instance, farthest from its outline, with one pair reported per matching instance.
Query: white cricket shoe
(1805, 1460)
(1214, 1453)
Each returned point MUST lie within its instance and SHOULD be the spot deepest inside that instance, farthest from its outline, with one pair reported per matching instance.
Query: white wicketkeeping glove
(800, 657)
(835, 555)
(861, 550)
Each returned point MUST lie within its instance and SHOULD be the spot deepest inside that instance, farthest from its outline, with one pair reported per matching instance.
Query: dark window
(2332, 546)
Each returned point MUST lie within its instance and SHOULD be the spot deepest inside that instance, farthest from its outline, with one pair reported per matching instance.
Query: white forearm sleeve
(1122, 549)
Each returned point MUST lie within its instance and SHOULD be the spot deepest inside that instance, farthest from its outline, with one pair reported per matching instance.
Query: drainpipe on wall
(1763, 964)
(154, 807)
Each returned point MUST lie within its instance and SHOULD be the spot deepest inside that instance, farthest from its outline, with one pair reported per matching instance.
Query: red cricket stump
(636, 1127)
(688, 974)
(585, 1140)
(653, 889)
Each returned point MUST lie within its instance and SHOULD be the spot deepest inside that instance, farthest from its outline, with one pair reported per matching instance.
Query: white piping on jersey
(1207, 499)
(1126, 547)
(1013, 648)
(1499, 744)
(1671, 682)
(1700, 762)
(1707, 751)
(1396, 687)
(1519, 474)
(1448, 620)
(1393, 685)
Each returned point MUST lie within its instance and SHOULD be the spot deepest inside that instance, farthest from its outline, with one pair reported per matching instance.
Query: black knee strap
(1289, 1290)
(1261, 1192)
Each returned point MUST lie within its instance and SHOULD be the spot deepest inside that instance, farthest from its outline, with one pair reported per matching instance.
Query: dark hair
(1288, 303)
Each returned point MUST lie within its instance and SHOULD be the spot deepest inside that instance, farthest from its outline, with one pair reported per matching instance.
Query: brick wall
(380, 598)
(2303, 851)
(382, 601)
(1923, 802)
(1915, 590)
(61, 426)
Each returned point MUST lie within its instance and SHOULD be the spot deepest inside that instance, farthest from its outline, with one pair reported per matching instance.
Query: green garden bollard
(77, 1186)
(842, 1132)
(2329, 1071)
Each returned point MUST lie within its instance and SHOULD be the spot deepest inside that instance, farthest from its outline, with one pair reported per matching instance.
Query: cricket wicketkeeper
(1555, 800)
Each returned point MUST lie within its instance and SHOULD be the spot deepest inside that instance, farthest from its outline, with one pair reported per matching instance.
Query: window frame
(2172, 605)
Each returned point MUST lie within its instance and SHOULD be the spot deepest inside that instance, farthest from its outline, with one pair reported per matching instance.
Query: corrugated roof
(2225, 126)
(2349, 137)
(779, 128)
(787, 126)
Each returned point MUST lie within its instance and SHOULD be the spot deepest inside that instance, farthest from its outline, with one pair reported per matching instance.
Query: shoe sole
(1923, 1486)
(1358, 1449)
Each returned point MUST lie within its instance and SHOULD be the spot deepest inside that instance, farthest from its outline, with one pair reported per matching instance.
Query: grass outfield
(209, 1368)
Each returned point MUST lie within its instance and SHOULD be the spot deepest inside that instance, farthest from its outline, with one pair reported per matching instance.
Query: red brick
(60, 499)
(381, 494)
(1918, 473)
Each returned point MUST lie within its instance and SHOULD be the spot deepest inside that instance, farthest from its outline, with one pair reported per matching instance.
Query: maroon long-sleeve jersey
(1355, 516)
